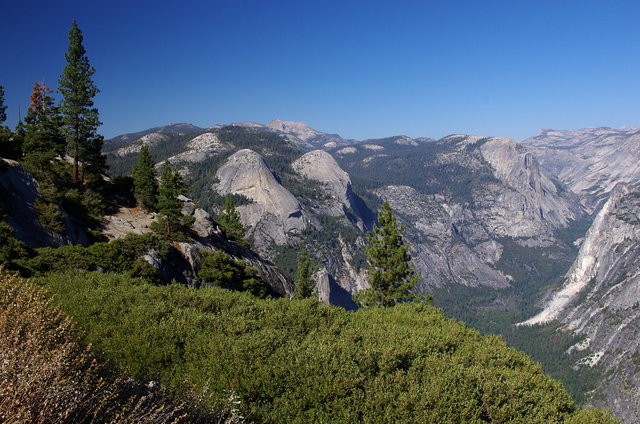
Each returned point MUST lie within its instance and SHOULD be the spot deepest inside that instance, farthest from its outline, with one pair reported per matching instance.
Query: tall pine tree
(3, 108)
(144, 181)
(391, 276)
(169, 206)
(229, 220)
(9, 148)
(304, 282)
(81, 120)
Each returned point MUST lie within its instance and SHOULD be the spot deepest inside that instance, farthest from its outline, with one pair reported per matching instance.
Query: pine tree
(391, 276)
(229, 220)
(3, 108)
(169, 206)
(43, 139)
(144, 181)
(9, 148)
(221, 270)
(304, 282)
(42, 142)
(81, 119)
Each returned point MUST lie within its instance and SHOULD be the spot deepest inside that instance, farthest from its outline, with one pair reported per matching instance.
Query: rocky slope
(18, 196)
(274, 211)
(320, 166)
(600, 301)
(170, 129)
(462, 198)
(589, 161)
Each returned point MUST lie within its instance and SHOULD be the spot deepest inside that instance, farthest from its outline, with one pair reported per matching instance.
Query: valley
(494, 225)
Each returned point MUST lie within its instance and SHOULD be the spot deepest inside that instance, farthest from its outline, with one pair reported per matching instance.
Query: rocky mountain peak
(320, 166)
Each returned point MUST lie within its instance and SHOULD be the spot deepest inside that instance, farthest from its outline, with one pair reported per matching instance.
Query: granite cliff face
(462, 199)
(274, 211)
(532, 204)
(320, 166)
(438, 251)
(589, 161)
(600, 301)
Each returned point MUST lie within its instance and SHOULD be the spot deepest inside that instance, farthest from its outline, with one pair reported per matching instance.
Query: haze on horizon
(359, 69)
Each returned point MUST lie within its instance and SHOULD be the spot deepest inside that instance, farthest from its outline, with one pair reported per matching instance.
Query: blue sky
(362, 69)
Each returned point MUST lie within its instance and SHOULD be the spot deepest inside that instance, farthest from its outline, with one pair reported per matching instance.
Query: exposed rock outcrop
(320, 166)
(600, 300)
(590, 161)
(274, 212)
(183, 260)
(18, 193)
(200, 148)
(150, 140)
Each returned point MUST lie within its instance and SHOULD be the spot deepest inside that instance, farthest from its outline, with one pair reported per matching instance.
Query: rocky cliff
(274, 212)
(589, 161)
(600, 301)
(320, 166)
(18, 196)
(462, 199)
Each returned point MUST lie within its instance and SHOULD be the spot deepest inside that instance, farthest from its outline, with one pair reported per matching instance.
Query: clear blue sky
(362, 69)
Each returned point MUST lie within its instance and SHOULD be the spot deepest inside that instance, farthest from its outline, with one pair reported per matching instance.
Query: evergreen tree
(42, 139)
(81, 119)
(8, 147)
(391, 275)
(3, 108)
(229, 220)
(304, 282)
(221, 270)
(144, 181)
(169, 206)
(42, 142)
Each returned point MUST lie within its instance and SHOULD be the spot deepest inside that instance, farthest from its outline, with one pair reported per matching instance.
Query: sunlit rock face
(274, 211)
(600, 299)
(590, 161)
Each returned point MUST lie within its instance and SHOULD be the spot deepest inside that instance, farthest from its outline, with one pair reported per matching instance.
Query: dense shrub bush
(47, 376)
(306, 362)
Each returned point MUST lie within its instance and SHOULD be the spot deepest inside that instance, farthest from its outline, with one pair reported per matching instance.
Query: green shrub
(306, 362)
(121, 255)
(50, 216)
(221, 270)
(48, 376)
(11, 249)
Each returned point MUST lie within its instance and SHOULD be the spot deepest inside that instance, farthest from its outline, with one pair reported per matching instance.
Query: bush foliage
(48, 376)
(306, 362)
